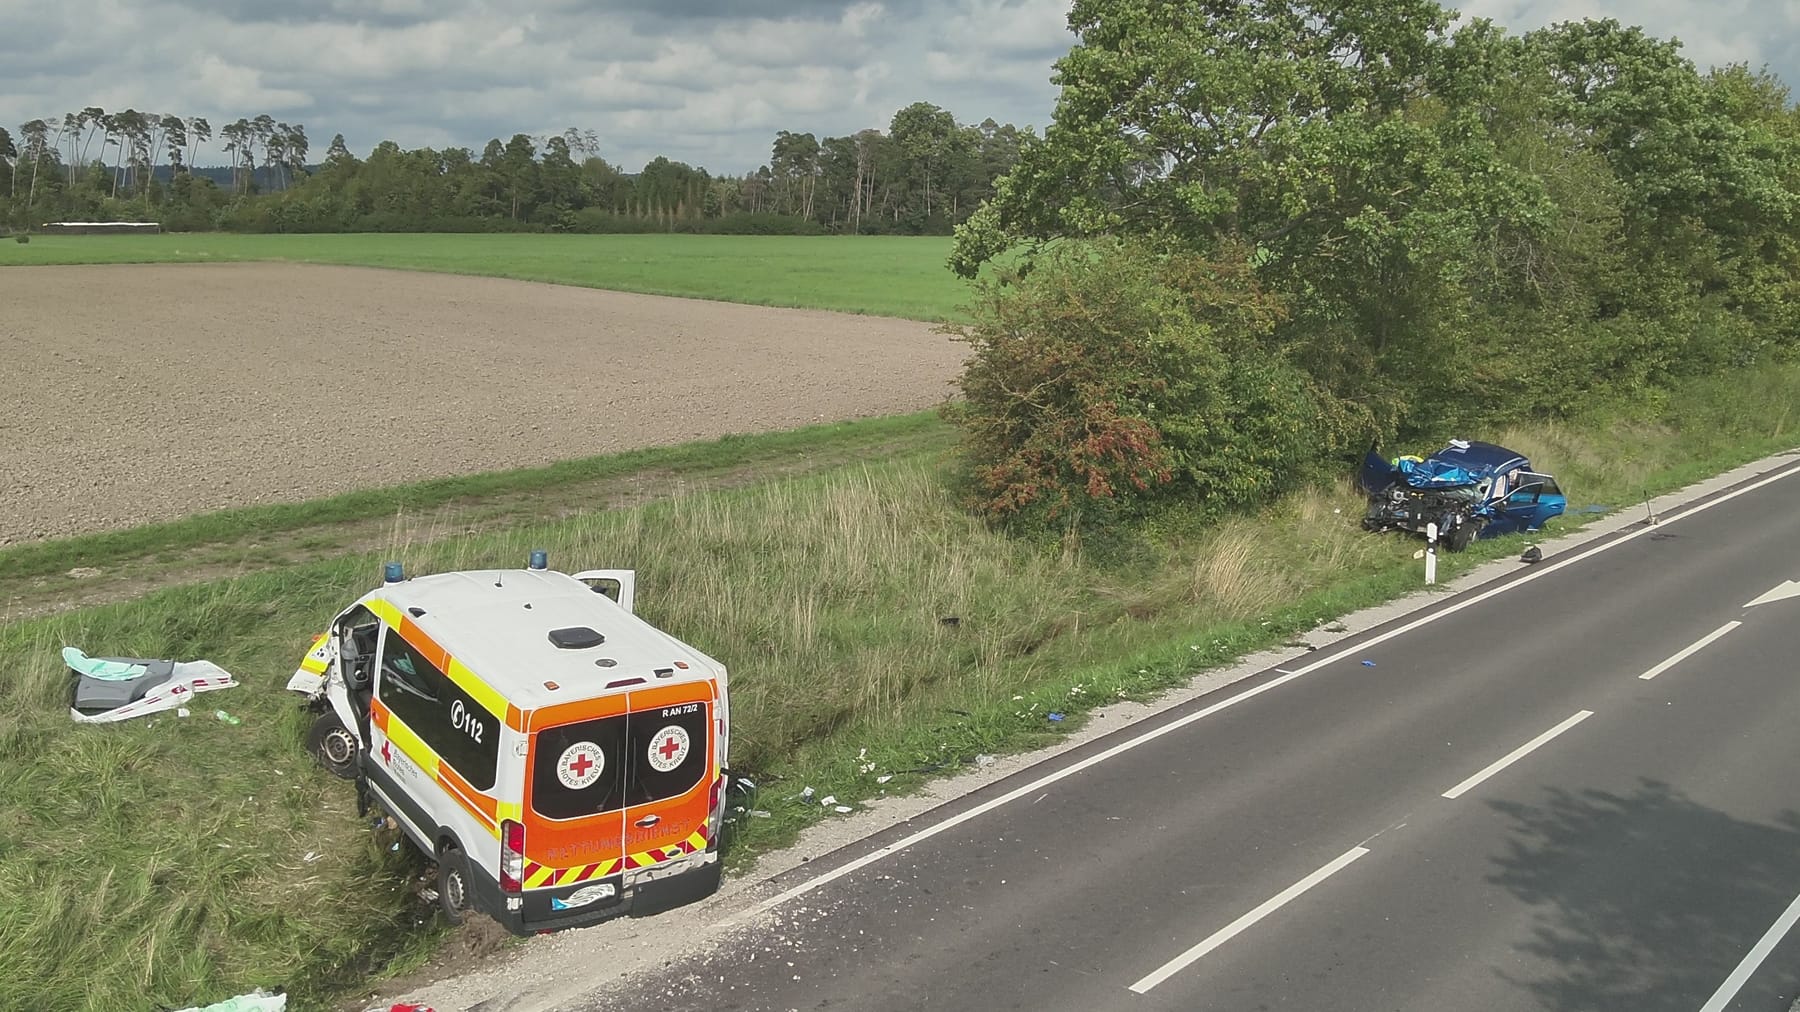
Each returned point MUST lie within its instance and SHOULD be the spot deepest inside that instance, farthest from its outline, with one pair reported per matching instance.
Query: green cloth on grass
(111, 671)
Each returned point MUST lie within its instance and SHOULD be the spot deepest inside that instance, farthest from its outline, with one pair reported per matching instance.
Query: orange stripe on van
(465, 793)
(575, 710)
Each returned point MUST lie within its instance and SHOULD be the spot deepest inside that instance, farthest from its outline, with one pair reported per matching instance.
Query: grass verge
(900, 276)
(168, 862)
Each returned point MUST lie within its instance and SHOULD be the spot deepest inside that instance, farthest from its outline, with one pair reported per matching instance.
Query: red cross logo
(668, 748)
(580, 765)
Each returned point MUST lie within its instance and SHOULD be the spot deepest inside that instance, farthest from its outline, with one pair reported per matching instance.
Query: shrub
(1107, 380)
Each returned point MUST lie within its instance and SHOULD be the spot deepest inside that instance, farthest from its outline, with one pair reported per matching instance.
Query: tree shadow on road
(1644, 901)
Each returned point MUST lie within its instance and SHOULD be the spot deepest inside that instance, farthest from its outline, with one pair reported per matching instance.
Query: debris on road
(984, 760)
(1368, 663)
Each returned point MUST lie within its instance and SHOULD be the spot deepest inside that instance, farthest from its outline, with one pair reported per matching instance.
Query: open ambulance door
(618, 584)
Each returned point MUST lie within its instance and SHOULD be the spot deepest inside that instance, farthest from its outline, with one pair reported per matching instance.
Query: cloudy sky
(703, 81)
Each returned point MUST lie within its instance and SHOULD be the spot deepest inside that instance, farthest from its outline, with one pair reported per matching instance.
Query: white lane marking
(1042, 782)
(1230, 931)
(1689, 651)
(1753, 959)
(1515, 755)
(1782, 591)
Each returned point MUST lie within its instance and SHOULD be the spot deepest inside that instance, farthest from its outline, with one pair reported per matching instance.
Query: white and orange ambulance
(561, 759)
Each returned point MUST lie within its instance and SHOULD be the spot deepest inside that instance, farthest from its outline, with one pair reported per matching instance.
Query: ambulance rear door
(575, 814)
(670, 766)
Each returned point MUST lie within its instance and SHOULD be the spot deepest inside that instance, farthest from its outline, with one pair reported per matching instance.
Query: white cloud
(672, 77)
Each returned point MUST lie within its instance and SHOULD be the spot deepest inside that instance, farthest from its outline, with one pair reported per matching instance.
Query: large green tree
(1342, 143)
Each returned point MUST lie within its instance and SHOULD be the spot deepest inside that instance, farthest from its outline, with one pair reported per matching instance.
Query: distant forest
(924, 175)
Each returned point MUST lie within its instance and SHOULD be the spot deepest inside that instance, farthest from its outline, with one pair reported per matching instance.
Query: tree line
(924, 174)
(1259, 235)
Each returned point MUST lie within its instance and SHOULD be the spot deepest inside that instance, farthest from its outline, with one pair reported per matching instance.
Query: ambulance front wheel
(333, 745)
(453, 883)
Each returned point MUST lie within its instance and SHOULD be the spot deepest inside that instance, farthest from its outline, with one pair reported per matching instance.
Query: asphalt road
(1501, 813)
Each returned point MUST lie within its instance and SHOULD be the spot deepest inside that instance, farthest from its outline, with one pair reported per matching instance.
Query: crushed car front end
(1461, 488)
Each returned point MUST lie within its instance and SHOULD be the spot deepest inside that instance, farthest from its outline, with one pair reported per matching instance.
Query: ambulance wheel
(333, 745)
(453, 883)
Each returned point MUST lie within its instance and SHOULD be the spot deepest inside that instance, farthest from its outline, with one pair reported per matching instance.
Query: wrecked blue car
(1470, 490)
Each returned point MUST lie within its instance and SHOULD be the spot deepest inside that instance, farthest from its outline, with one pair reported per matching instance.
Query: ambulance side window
(463, 733)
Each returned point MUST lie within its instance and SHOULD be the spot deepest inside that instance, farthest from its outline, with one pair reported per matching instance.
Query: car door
(575, 808)
(670, 765)
(1518, 511)
(1548, 503)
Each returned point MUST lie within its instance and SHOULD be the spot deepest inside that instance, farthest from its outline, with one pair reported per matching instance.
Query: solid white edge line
(1040, 783)
(1230, 931)
(1689, 651)
(1753, 959)
(1515, 755)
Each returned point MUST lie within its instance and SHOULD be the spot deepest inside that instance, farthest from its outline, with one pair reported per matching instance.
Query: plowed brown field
(143, 393)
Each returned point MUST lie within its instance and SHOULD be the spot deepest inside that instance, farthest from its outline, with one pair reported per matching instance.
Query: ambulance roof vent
(578, 637)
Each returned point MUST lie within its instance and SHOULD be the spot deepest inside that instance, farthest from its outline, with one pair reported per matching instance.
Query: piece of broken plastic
(757, 813)
(842, 809)
(984, 760)
(884, 778)
(1055, 716)
(828, 800)
(1368, 664)
(806, 794)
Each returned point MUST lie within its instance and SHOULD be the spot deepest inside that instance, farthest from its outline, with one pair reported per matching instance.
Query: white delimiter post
(1431, 533)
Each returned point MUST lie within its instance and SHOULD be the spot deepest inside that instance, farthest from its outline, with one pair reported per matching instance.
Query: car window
(402, 671)
(1527, 494)
(447, 719)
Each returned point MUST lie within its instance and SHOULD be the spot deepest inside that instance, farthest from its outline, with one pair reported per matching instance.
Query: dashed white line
(1689, 651)
(1753, 959)
(1230, 931)
(1515, 755)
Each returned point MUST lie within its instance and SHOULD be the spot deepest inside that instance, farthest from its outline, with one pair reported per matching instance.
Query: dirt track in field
(147, 392)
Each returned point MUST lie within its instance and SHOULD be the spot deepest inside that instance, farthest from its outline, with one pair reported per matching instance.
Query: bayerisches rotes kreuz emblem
(580, 765)
(668, 748)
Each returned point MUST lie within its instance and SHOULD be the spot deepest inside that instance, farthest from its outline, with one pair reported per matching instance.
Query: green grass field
(880, 276)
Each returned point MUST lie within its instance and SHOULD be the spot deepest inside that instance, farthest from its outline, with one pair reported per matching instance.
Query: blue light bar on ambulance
(393, 573)
(540, 559)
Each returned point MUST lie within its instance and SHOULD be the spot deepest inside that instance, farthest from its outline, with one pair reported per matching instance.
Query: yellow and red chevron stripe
(693, 843)
(538, 876)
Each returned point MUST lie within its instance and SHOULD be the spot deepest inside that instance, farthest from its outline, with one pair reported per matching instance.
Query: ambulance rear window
(576, 769)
